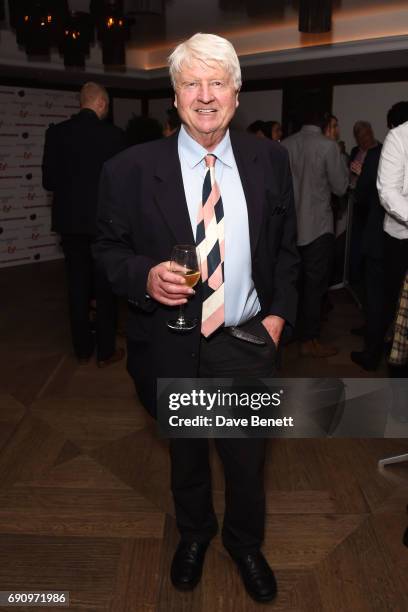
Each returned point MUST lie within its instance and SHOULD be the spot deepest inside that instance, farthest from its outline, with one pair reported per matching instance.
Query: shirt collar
(194, 153)
(88, 112)
(311, 128)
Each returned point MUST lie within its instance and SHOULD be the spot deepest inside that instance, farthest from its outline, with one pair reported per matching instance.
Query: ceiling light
(76, 39)
(112, 28)
(38, 23)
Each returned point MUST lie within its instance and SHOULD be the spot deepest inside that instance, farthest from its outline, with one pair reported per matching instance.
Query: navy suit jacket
(143, 213)
(369, 207)
(74, 153)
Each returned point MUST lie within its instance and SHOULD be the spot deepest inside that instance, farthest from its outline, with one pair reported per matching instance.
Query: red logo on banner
(3, 166)
(23, 113)
(30, 196)
(11, 249)
(27, 155)
(35, 236)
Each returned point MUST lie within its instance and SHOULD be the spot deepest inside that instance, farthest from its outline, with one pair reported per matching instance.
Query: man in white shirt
(318, 171)
(392, 185)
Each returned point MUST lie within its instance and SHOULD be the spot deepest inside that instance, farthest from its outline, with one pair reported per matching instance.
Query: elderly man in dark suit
(74, 153)
(231, 195)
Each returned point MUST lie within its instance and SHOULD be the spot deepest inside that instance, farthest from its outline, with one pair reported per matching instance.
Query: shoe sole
(263, 599)
(185, 587)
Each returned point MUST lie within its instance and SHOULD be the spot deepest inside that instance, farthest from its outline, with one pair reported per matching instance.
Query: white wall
(369, 102)
(264, 105)
(123, 108)
(25, 207)
(158, 108)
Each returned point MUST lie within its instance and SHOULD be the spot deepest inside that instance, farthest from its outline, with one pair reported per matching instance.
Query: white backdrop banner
(25, 207)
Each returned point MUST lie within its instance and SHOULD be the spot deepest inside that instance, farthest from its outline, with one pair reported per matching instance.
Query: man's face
(332, 130)
(276, 132)
(206, 100)
(365, 138)
(102, 107)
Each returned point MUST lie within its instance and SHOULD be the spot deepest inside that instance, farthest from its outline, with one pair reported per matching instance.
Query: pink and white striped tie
(210, 244)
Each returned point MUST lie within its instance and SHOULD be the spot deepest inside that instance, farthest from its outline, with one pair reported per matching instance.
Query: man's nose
(204, 93)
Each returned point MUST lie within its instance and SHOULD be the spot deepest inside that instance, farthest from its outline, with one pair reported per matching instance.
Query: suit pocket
(258, 329)
(267, 336)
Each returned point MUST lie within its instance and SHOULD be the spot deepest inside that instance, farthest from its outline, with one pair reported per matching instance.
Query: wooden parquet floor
(84, 497)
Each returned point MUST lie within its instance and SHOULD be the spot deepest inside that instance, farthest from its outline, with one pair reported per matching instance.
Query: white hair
(206, 48)
(361, 125)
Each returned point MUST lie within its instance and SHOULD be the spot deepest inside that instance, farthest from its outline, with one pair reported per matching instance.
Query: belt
(241, 334)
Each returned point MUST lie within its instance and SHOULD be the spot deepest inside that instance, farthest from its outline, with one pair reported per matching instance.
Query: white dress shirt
(241, 298)
(392, 182)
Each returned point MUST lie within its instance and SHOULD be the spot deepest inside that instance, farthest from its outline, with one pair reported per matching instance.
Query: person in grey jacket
(318, 170)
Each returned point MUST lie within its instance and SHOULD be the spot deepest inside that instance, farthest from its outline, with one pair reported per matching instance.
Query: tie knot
(210, 160)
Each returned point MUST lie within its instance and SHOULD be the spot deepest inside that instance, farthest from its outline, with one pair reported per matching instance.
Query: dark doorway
(300, 94)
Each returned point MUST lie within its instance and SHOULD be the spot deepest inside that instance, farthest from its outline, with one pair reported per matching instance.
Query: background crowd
(336, 194)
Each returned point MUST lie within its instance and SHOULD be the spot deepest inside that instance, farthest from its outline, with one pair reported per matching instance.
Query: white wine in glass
(185, 261)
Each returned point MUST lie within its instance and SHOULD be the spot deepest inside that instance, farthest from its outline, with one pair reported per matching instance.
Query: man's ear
(236, 99)
(175, 100)
(103, 105)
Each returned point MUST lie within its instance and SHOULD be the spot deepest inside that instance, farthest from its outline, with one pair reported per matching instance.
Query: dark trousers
(242, 459)
(396, 264)
(84, 281)
(374, 302)
(316, 259)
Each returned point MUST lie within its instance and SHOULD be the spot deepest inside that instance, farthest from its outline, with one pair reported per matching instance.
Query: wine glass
(185, 261)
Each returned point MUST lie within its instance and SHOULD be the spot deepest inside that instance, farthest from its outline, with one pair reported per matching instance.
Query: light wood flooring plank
(355, 576)
(78, 512)
(33, 448)
(85, 567)
(89, 423)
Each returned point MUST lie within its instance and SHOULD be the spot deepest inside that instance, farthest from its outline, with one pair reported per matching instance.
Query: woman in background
(273, 130)
(266, 129)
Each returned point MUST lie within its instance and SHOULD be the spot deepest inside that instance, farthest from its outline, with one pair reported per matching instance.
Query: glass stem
(180, 319)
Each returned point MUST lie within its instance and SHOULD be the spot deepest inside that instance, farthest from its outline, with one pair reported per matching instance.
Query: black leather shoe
(366, 360)
(258, 578)
(187, 565)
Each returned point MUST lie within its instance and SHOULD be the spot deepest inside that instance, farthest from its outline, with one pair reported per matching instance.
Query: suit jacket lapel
(253, 183)
(169, 192)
